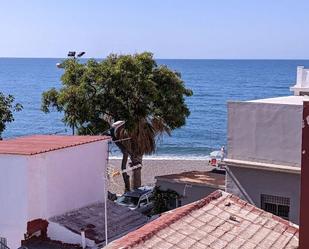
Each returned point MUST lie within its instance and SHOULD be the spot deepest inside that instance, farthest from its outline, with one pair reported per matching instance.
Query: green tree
(7, 107)
(148, 97)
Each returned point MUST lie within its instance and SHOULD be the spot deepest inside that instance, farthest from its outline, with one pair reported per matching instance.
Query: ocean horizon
(214, 82)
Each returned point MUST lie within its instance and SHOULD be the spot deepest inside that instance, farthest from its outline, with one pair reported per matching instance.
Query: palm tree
(137, 143)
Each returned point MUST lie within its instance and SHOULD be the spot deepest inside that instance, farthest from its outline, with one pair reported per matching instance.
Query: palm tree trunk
(125, 176)
(137, 173)
(125, 154)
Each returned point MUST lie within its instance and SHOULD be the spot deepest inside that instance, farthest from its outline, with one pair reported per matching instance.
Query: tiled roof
(37, 144)
(196, 178)
(220, 220)
(120, 221)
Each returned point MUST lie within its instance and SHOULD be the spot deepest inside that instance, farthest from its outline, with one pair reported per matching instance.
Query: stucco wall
(13, 202)
(66, 179)
(192, 192)
(257, 182)
(263, 132)
(58, 232)
(48, 184)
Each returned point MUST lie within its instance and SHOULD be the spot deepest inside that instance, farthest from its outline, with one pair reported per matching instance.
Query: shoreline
(171, 158)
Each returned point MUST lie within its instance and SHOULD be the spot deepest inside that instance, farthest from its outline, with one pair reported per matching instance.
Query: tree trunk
(137, 173)
(125, 176)
(125, 154)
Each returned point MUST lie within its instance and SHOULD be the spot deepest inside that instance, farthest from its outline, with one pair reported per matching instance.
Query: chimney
(304, 194)
(82, 233)
(302, 82)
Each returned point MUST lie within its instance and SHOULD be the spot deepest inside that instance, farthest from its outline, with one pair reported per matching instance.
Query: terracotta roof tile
(37, 144)
(220, 220)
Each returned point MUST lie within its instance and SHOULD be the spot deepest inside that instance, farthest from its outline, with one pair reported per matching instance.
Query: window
(128, 200)
(143, 201)
(174, 203)
(277, 205)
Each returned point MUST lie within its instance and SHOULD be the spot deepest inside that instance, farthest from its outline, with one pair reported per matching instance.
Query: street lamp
(72, 55)
(115, 126)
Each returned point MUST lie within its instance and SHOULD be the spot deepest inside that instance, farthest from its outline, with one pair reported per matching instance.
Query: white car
(140, 199)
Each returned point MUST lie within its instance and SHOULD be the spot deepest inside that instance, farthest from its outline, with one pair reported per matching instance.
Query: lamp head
(71, 54)
(80, 54)
(118, 124)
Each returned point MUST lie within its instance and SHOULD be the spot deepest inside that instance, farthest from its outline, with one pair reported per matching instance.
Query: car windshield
(128, 200)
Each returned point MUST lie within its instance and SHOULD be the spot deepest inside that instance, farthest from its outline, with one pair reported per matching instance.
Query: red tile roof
(220, 220)
(37, 144)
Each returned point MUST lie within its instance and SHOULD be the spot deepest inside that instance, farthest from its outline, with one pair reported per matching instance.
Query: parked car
(140, 199)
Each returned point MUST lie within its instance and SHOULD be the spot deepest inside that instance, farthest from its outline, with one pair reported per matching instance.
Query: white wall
(13, 198)
(58, 232)
(257, 182)
(264, 132)
(66, 179)
(192, 192)
(48, 184)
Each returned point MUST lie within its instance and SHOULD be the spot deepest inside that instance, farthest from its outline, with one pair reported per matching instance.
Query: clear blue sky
(170, 28)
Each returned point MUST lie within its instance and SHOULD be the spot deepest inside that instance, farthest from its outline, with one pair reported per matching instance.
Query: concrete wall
(58, 232)
(13, 198)
(263, 132)
(257, 182)
(192, 192)
(66, 179)
(48, 184)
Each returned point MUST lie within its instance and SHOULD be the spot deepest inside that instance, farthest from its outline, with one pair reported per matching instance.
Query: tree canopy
(7, 107)
(149, 97)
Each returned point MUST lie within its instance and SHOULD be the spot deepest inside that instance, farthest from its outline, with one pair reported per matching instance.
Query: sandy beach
(155, 167)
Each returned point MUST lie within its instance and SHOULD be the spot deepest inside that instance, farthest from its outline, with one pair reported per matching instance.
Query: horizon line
(87, 58)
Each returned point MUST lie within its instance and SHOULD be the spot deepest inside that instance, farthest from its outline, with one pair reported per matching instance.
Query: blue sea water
(214, 82)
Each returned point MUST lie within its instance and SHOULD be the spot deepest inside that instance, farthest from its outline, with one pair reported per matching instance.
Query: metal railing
(3, 243)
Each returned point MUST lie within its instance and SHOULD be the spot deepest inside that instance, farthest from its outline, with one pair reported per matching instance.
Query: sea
(214, 83)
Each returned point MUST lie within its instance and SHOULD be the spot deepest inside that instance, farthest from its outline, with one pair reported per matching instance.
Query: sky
(184, 29)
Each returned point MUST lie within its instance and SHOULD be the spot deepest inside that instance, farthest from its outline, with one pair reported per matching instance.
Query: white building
(302, 82)
(264, 150)
(46, 176)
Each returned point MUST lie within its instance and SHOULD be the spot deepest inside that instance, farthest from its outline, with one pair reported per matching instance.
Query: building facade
(45, 176)
(191, 186)
(264, 153)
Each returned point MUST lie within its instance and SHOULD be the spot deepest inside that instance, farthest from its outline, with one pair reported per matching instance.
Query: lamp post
(111, 132)
(74, 56)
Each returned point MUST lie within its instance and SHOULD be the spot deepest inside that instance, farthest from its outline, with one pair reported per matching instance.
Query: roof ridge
(148, 231)
(155, 226)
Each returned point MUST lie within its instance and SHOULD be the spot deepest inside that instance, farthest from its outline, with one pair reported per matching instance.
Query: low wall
(58, 232)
